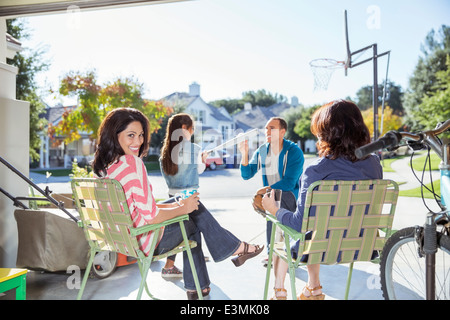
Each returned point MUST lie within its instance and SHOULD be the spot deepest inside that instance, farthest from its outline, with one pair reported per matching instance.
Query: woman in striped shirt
(123, 138)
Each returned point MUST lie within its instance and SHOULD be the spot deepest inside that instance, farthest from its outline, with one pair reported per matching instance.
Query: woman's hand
(268, 203)
(191, 204)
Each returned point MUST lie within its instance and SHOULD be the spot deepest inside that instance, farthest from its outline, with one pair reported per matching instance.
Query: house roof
(257, 116)
(184, 99)
(54, 114)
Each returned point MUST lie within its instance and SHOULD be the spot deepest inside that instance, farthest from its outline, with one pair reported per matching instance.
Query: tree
(29, 63)
(95, 101)
(259, 98)
(435, 107)
(262, 98)
(394, 96)
(303, 125)
(231, 105)
(391, 121)
(292, 115)
(423, 81)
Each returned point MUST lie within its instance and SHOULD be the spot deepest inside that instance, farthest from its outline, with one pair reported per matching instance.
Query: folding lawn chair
(106, 220)
(346, 221)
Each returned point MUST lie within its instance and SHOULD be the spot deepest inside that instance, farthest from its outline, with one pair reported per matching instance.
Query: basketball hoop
(322, 70)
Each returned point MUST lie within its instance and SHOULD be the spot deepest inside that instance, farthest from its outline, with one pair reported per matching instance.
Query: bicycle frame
(430, 235)
(417, 141)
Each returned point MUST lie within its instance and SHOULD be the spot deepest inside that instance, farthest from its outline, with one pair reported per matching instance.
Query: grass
(416, 192)
(386, 163)
(419, 162)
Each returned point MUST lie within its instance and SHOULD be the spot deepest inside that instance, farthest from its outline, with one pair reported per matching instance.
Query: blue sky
(232, 46)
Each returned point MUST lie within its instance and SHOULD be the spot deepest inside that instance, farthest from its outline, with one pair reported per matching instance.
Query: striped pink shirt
(130, 171)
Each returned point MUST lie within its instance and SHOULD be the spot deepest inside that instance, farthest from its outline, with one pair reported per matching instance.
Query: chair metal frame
(347, 221)
(106, 220)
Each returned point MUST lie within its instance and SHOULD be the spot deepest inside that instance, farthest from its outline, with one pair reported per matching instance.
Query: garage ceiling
(20, 8)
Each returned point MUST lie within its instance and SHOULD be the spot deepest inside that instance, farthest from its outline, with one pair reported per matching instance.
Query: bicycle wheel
(403, 269)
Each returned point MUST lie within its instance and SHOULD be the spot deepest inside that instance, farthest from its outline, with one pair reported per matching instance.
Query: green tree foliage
(95, 101)
(303, 124)
(435, 107)
(262, 98)
(256, 98)
(292, 115)
(29, 62)
(424, 80)
(394, 96)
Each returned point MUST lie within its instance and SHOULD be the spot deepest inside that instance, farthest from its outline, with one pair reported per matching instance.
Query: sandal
(242, 257)
(193, 295)
(276, 297)
(312, 296)
(173, 272)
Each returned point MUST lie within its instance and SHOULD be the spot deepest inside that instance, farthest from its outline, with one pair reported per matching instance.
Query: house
(257, 117)
(213, 125)
(55, 152)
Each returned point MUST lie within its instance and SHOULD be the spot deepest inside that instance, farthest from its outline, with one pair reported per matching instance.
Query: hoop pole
(375, 93)
(384, 94)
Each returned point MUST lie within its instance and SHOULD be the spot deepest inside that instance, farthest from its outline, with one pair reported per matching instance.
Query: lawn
(416, 192)
(418, 164)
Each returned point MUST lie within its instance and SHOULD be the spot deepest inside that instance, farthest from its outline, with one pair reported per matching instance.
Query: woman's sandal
(193, 295)
(276, 296)
(242, 257)
(311, 295)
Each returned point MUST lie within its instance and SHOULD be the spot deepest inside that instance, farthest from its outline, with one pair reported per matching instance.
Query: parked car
(215, 159)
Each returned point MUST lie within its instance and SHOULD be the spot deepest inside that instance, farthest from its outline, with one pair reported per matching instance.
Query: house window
(201, 116)
(224, 132)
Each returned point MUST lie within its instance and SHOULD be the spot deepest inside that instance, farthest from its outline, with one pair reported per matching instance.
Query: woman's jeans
(220, 242)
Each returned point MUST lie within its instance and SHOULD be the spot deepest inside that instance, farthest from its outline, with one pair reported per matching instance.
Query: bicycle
(415, 261)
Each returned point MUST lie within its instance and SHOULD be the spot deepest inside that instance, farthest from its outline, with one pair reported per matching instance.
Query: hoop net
(322, 70)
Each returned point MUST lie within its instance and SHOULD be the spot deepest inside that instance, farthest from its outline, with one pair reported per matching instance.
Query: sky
(232, 46)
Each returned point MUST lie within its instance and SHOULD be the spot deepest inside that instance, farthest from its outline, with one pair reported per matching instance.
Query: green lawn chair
(352, 219)
(106, 220)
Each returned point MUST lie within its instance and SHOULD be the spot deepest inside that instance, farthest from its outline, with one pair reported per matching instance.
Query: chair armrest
(294, 234)
(151, 227)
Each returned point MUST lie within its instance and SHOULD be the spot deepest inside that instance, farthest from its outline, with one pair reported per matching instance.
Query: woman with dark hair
(340, 130)
(122, 140)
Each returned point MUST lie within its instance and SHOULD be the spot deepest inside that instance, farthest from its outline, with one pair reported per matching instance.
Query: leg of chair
(291, 267)
(191, 261)
(86, 273)
(269, 262)
(349, 279)
(143, 268)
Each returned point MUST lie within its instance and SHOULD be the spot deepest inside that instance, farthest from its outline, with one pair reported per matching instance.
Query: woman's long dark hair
(340, 129)
(173, 137)
(108, 146)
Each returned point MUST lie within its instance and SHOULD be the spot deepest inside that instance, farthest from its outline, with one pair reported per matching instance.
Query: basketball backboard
(348, 58)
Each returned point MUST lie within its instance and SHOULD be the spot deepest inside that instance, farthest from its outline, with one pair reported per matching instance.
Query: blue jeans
(220, 242)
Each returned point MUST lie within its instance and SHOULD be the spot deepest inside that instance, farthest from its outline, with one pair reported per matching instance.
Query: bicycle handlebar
(393, 138)
(390, 139)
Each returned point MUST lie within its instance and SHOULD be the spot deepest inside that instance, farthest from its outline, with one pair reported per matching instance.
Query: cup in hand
(184, 194)
(277, 193)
